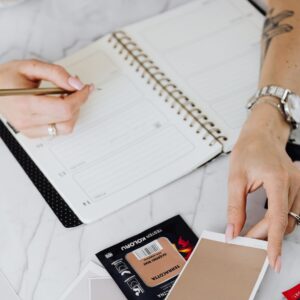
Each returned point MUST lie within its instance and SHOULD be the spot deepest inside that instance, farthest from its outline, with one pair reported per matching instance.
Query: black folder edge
(58, 205)
(257, 7)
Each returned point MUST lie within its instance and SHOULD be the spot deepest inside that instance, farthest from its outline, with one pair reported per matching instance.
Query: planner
(173, 95)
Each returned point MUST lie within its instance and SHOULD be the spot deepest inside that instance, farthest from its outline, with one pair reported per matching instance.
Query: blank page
(210, 49)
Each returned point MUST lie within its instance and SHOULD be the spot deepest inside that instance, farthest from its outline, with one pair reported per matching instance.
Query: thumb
(259, 230)
(36, 70)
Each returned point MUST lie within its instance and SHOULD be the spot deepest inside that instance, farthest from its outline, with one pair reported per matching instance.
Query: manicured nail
(277, 267)
(75, 83)
(229, 233)
(92, 88)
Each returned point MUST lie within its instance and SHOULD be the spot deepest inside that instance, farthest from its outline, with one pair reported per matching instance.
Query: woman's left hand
(259, 159)
(260, 230)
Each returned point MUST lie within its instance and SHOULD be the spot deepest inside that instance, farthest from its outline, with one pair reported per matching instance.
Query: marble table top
(39, 256)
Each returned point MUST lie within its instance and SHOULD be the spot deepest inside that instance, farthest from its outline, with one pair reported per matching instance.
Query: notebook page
(127, 143)
(211, 50)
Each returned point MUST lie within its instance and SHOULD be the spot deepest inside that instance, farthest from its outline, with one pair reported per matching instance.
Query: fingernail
(92, 88)
(75, 83)
(229, 233)
(277, 267)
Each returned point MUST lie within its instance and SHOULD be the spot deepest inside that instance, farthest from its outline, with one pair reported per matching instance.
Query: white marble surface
(40, 257)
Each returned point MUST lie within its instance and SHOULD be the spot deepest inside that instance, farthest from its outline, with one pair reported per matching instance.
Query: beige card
(156, 262)
(218, 270)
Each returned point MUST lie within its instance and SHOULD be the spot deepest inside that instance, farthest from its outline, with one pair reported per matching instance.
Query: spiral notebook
(173, 94)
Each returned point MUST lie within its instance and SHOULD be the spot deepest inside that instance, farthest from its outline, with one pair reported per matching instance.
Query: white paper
(79, 289)
(105, 288)
(241, 241)
(6, 291)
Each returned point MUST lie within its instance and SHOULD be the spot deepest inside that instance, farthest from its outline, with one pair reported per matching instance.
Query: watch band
(274, 91)
(285, 97)
(271, 90)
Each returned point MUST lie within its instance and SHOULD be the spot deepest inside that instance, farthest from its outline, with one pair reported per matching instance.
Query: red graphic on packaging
(293, 293)
(185, 247)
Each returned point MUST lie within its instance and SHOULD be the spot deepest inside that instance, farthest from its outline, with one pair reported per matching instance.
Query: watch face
(294, 107)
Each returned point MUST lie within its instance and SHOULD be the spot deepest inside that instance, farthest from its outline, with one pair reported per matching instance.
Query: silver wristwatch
(289, 102)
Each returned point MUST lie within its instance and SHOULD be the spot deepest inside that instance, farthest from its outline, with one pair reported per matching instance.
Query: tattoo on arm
(273, 27)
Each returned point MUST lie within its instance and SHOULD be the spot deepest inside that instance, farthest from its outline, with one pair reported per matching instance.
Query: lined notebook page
(128, 142)
(211, 51)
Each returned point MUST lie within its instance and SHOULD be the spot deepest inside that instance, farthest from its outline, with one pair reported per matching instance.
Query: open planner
(173, 95)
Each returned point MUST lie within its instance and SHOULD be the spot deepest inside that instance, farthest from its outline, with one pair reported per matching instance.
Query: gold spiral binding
(166, 88)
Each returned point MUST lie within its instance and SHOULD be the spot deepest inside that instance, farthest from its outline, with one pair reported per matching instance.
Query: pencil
(37, 91)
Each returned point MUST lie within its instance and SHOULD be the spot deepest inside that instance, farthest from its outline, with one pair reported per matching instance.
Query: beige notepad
(173, 94)
(218, 270)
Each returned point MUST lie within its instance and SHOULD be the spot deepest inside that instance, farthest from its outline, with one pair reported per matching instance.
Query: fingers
(292, 223)
(58, 107)
(62, 128)
(27, 113)
(44, 110)
(277, 222)
(37, 70)
(259, 230)
(277, 189)
(295, 208)
(236, 211)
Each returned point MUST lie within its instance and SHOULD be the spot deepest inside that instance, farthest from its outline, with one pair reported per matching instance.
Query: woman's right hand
(31, 115)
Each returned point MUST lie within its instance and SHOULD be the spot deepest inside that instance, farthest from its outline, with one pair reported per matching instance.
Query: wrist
(266, 121)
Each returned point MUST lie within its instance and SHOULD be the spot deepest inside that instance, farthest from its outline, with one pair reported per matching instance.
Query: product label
(146, 266)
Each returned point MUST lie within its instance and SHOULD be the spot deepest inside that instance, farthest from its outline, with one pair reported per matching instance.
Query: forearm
(280, 66)
(259, 158)
(281, 45)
